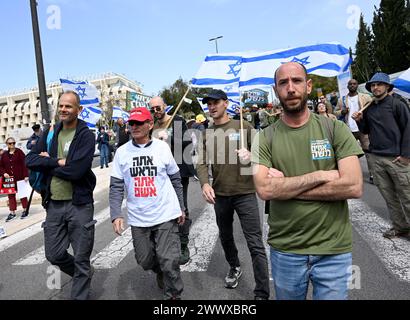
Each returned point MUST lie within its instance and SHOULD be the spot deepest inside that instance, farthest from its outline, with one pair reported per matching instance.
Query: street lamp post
(216, 42)
(40, 68)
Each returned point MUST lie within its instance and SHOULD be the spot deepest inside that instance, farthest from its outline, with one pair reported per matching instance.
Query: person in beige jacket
(346, 106)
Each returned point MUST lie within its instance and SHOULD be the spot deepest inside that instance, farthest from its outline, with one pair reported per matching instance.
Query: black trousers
(68, 224)
(246, 206)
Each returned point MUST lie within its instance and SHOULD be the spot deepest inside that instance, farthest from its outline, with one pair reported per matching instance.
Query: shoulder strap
(329, 125)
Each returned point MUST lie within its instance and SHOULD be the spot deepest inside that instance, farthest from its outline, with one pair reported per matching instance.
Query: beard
(296, 108)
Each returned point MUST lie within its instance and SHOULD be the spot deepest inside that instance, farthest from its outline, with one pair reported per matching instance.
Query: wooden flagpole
(176, 110)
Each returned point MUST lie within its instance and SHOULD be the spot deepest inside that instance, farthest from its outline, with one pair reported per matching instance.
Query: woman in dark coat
(12, 164)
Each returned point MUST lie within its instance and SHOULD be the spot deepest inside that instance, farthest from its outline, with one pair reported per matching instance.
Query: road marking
(202, 239)
(38, 256)
(394, 253)
(111, 256)
(22, 235)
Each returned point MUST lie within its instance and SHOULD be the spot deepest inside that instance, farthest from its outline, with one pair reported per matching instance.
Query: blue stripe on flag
(402, 85)
(257, 81)
(93, 101)
(95, 110)
(326, 66)
(222, 58)
(209, 81)
(72, 82)
(325, 48)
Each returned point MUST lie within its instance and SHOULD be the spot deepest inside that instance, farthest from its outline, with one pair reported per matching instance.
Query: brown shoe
(394, 233)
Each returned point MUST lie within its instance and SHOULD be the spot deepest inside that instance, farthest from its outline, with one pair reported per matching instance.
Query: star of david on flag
(87, 92)
(90, 115)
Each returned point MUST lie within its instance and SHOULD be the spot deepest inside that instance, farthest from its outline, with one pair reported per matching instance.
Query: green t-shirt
(299, 226)
(62, 189)
(230, 176)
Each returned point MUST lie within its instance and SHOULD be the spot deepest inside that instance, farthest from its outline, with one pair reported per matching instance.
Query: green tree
(391, 29)
(173, 94)
(364, 65)
(328, 85)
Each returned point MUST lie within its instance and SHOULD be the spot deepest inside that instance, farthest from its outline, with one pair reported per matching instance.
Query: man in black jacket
(181, 149)
(387, 121)
(68, 198)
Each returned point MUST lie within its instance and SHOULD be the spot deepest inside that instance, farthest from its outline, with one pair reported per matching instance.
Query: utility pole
(216, 42)
(45, 114)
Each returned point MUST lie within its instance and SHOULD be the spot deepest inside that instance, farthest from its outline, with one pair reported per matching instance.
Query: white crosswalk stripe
(393, 253)
(204, 235)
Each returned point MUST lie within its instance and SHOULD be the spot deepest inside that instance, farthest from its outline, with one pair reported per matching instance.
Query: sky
(158, 41)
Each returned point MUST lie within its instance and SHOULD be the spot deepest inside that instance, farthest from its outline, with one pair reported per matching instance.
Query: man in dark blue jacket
(387, 121)
(68, 198)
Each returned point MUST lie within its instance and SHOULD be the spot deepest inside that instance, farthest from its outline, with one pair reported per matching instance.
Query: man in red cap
(147, 170)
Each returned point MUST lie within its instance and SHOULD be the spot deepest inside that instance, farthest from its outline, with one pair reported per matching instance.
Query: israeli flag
(117, 113)
(88, 92)
(326, 60)
(219, 71)
(168, 109)
(203, 106)
(90, 115)
(242, 71)
(402, 84)
(233, 104)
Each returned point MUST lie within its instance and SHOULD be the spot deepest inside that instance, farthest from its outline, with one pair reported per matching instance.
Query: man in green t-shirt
(232, 189)
(307, 170)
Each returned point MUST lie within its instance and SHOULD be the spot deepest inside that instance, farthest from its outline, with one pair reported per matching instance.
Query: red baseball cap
(140, 114)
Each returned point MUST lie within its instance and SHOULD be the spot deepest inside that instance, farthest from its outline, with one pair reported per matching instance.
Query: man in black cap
(232, 189)
(387, 121)
(34, 137)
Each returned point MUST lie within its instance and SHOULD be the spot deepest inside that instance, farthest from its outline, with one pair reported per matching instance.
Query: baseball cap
(140, 114)
(214, 95)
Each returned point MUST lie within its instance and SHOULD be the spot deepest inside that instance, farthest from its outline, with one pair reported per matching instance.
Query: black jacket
(388, 126)
(78, 163)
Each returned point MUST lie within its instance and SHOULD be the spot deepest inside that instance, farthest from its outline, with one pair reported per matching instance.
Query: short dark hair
(77, 97)
(35, 127)
(303, 67)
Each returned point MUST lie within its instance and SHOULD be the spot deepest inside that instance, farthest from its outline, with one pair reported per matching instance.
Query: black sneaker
(394, 233)
(232, 278)
(24, 215)
(371, 180)
(160, 280)
(184, 258)
(10, 217)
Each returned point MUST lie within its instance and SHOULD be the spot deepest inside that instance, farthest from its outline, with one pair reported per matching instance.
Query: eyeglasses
(137, 123)
(11, 143)
(156, 108)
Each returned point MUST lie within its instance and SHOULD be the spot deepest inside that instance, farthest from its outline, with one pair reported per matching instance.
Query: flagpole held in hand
(241, 120)
(177, 108)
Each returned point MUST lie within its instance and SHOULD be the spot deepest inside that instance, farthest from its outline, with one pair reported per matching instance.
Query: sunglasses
(11, 143)
(157, 108)
(137, 123)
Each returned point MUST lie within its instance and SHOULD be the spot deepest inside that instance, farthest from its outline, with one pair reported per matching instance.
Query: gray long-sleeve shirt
(388, 126)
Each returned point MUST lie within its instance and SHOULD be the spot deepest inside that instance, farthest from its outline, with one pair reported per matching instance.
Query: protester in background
(232, 190)
(68, 199)
(12, 164)
(307, 172)
(347, 105)
(181, 148)
(146, 170)
(122, 133)
(322, 110)
(387, 121)
(329, 107)
(34, 137)
(103, 141)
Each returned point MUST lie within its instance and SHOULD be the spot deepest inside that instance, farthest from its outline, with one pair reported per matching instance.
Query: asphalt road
(128, 281)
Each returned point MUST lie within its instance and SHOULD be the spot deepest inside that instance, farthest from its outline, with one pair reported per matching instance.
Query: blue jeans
(329, 274)
(104, 155)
